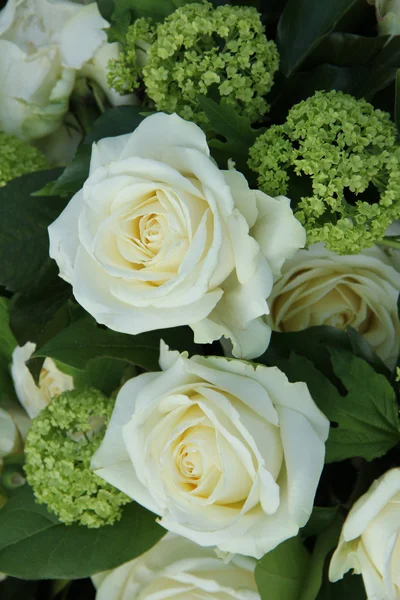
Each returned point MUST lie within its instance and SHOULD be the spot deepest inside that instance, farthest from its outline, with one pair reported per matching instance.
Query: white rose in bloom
(388, 16)
(227, 453)
(318, 287)
(177, 568)
(52, 382)
(43, 44)
(160, 237)
(370, 540)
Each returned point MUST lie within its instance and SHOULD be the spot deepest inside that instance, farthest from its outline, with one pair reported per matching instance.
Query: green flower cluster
(196, 47)
(18, 158)
(59, 447)
(339, 159)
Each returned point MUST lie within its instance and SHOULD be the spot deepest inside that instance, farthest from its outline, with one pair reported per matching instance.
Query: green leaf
(84, 340)
(15, 589)
(236, 131)
(106, 8)
(113, 122)
(280, 574)
(24, 219)
(35, 315)
(325, 543)
(7, 339)
(320, 520)
(347, 50)
(314, 344)
(397, 101)
(35, 545)
(365, 417)
(304, 24)
(351, 587)
(360, 82)
(104, 373)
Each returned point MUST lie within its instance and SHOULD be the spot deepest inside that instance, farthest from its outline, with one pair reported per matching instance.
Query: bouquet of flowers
(199, 285)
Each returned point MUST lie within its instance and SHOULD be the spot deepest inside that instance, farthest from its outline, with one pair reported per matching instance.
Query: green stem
(390, 242)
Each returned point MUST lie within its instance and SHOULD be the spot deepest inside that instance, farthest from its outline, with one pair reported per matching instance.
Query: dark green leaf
(113, 122)
(84, 340)
(35, 545)
(313, 343)
(105, 374)
(320, 520)
(347, 50)
(15, 589)
(365, 419)
(24, 219)
(72, 178)
(7, 339)
(236, 131)
(106, 8)
(32, 315)
(351, 587)
(360, 82)
(325, 543)
(397, 101)
(304, 24)
(280, 574)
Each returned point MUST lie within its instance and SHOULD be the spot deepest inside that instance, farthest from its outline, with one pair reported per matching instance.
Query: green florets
(196, 47)
(59, 447)
(339, 159)
(18, 158)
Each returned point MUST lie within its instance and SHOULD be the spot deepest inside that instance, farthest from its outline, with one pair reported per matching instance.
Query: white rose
(52, 382)
(318, 287)
(227, 453)
(160, 237)
(388, 16)
(43, 44)
(175, 567)
(370, 540)
(9, 435)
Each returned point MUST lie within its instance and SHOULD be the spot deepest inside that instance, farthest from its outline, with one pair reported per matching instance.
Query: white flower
(52, 382)
(318, 287)
(43, 44)
(9, 435)
(388, 16)
(370, 540)
(228, 454)
(175, 567)
(160, 237)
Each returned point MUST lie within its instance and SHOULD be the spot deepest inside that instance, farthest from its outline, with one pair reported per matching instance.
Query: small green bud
(18, 158)
(59, 447)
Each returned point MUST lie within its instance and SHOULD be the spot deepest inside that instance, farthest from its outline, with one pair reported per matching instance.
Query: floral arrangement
(199, 300)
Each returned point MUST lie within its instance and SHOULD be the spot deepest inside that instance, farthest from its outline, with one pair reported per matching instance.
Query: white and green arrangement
(199, 283)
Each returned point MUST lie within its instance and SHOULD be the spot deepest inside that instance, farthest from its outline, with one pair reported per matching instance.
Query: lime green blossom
(125, 73)
(196, 47)
(18, 158)
(59, 447)
(339, 159)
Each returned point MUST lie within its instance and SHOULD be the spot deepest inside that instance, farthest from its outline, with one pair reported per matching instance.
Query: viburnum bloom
(177, 568)
(319, 287)
(159, 236)
(227, 453)
(43, 45)
(369, 543)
